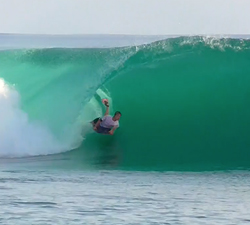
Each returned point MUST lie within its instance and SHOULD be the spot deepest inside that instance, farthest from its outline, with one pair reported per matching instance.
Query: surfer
(108, 124)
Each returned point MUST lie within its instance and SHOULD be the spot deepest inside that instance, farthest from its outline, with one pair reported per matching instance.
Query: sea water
(180, 156)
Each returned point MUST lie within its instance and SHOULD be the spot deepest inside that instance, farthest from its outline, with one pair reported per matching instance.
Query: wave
(183, 100)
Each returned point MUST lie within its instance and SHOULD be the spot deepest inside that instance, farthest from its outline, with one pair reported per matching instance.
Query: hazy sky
(145, 17)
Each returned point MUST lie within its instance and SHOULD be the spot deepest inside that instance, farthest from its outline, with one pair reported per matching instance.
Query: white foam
(18, 135)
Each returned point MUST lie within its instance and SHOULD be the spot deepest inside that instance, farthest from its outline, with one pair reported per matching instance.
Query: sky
(136, 17)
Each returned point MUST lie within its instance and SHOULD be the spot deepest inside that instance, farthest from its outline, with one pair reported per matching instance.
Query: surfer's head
(117, 115)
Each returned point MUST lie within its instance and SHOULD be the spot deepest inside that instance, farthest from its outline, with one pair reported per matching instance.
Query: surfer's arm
(111, 132)
(107, 110)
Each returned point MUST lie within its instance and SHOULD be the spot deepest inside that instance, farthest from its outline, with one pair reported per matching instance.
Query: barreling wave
(183, 101)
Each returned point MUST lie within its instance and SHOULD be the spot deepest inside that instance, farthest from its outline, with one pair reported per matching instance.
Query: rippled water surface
(117, 197)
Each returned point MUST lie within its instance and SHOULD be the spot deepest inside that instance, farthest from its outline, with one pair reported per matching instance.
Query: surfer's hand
(95, 128)
(106, 103)
(111, 132)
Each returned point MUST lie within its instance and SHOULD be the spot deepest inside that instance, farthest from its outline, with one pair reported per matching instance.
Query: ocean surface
(180, 156)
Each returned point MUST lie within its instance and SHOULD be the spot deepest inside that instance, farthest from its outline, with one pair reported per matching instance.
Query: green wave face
(184, 101)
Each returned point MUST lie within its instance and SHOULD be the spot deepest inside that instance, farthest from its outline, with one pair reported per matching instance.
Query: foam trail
(18, 135)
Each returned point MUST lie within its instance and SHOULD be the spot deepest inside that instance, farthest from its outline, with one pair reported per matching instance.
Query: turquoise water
(184, 103)
(180, 156)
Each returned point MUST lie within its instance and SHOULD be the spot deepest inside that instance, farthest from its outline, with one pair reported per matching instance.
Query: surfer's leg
(96, 125)
(93, 122)
(103, 130)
